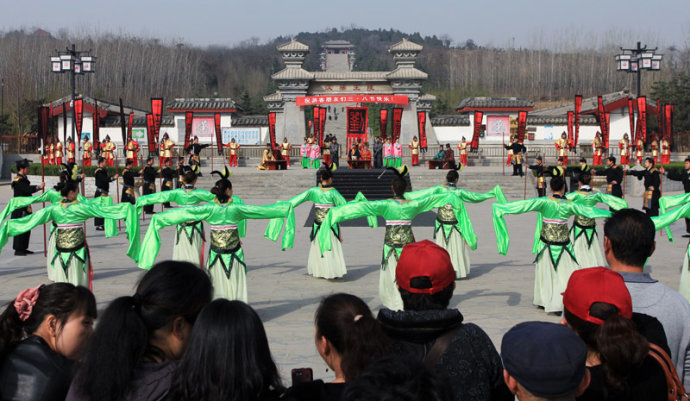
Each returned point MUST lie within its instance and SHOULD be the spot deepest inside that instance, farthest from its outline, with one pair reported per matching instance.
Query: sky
(500, 23)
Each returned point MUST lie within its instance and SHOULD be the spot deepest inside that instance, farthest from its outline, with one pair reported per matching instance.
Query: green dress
(190, 236)
(669, 202)
(555, 259)
(663, 221)
(332, 263)
(583, 233)
(453, 235)
(398, 214)
(71, 250)
(225, 264)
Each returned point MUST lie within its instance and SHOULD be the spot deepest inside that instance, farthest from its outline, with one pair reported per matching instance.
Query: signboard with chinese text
(318, 100)
(203, 127)
(243, 136)
(498, 126)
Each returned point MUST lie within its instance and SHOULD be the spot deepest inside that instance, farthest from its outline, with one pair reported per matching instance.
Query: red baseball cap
(596, 284)
(424, 259)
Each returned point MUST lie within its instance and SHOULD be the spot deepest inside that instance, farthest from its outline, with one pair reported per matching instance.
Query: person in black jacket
(22, 187)
(426, 330)
(149, 186)
(652, 185)
(538, 170)
(103, 181)
(194, 150)
(168, 176)
(614, 177)
(684, 177)
(44, 330)
(128, 176)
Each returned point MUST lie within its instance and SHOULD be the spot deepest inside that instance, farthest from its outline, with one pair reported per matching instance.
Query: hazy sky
(529, 23)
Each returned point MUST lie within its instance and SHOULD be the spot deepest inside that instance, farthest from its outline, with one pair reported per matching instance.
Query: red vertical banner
(642, 117)
(605, 132)
(478, 116)
(64, 123)
(522, 126)
(317, 124)
(578, 112)
(150, 135)
(421, 126)
(383, 123)
(668, 121)
(188, 120)
(123, 125)
(631, 117)
(659, 119)
(272, 129)
(322, 125)
(79, 116)
(157, 111)
(130, 126)
(600, 117)
(219, 139)
(397, 123)
(571, 126)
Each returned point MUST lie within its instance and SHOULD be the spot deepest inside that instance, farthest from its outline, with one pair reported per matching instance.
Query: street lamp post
(637, 59)
(76, 63)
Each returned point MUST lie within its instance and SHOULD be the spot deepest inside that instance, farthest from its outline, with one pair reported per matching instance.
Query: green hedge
(677, 167)
(52, 170)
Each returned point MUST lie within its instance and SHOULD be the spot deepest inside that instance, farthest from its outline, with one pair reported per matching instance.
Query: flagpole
(45, 247)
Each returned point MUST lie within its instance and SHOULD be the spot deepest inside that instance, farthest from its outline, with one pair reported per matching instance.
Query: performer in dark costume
(652, 182)
(168, 176)
(149, 174)
(194, 150)
(103, 181)
(538, 170)
(614, 177)
(128, 176)
(518, 153)
(22, 187)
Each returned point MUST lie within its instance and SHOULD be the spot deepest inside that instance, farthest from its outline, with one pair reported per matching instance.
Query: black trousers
(98, 221)
(21, 242)
(147, 190)
(167, 186)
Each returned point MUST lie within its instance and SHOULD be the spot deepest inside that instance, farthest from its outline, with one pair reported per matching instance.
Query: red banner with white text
(272, 129)
(331, 99)
(571, 127)
(476, 132)
(188, 119)
(219, 139)
(421, 127)
(631, 117)
(79, 115)
(383, 123)
(522, 126)
(157, 112)
(578, 113)
(153, 145)
(397, 123)
(322, 121)
(642, 117)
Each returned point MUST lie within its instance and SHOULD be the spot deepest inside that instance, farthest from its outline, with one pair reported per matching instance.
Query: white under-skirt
(550, 282)
(331, 265)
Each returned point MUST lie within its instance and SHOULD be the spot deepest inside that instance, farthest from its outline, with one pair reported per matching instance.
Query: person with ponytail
(453, 234)
(228, 358)
(555, 259)
(71, 259)
(398, 213)
(42, 332)
(133, 351)
(225, 263)
(598, 307)
(348, 339)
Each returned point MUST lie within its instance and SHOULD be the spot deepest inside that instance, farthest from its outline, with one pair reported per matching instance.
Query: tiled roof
(202, 104)
(250, 121)
(293, 73)
(494, 102)
(406, 45)
(273, 97)
(407, 73)
(558, 120)
(588, 104)
(338, 43)
(114, 121)
(427, 97)
(110, 107)
(452, 120)
(351, 76)
(293, 45)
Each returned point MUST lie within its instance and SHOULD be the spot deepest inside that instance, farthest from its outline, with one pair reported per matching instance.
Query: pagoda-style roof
(406, 45)
(203, 104)
(293, 46)
(104, 107)
(407, 73)
(293, 73)
(273, 97)
(337, 43)
(558, 120)
(351, 76)
(250, 121)
(499, 103)
(452, 120)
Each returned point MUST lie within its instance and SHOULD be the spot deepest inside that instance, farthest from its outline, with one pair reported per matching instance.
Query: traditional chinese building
(346, 95)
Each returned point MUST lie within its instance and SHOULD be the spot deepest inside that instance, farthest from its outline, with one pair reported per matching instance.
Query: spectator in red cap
(428, 331)
(598, 307)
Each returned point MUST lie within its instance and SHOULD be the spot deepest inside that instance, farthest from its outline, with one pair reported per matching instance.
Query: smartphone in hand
(302, 375)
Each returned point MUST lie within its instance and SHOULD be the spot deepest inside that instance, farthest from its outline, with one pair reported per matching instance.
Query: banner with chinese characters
(243, 136)
(219, 140)
(79, 115)
(571, 127)
(272, 129)
(477, 130)
(153, 145)
(668, 121)
(631, 117)
(397, 124)
(157, 111)
(383, 123)
(642, 117)
(356, 124)
(498, 126)
(317, 124)
(96, 127)
(578, 112)
(421, 122)
(130, 125)
(522, 126)
(123, 123)
(322, 128)
(188, 118)
(331, 99)
(605, 132)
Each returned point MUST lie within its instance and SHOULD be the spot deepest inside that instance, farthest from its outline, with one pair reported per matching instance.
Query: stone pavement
(496, 295)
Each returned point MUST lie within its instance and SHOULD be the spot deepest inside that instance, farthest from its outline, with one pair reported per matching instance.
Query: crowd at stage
(189, 332)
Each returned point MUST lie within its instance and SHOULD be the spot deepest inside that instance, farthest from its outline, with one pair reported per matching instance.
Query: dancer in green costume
(225, 264)
(663, 221)
(555, 259)
(71, 250)
(398, 213)
(583, 233)
(453, 235)
(669, 202)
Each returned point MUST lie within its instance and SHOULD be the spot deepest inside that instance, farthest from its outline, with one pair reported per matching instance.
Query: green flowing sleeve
(276, 210)
(613, 202)
(275, 226)
(668, 202)
(418, 206)
(20, 226)
(666, 219)
(422, 193)
(122, 211)
(372, 221)
(50, 196)
(463, 219)
(586, 211)
(241, 225)
(517, 207)
(308, 195)
(476, 197)
(349, 211)
(110, 225)
(150, 246)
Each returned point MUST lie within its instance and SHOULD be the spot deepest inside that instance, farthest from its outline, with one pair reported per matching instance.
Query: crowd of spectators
(171, 341)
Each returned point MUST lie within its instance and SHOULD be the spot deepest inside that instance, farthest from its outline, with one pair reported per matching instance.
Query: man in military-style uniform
(128, 176)
(169, 174)
(285, 148)
(22, 187)
(88, 149)
(132, 149)
(71, 151)
(150, 174)
(414, 151)
(538, 170)
(57, 152)
(652, 185)
(103, 181)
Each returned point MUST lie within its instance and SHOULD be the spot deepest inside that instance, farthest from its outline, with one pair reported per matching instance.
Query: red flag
(130, 124)
(631, 116)
(157, 112)
(478, 115)
(64, 122)
(123, 126)
(272, 129)
(578, 111)
(322, 122)
(79, 116)
(605, 132)
(421, 123)
(219, 140)
(642, 117)
(188, 119)
(153, 145)
(571, 125)
(383, 122)
(522, 126)
(317, 124)
(668, 121)
(659, 119)
(397, 121)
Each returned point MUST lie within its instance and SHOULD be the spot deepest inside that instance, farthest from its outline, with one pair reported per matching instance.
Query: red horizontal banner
(312, 100)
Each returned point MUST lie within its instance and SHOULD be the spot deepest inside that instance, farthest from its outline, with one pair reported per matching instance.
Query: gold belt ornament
(398, 235)
(224, 241)
(69, 239)
(648, 195)
(446, 215)
(554, 234)
(320, 214)
(585, 222)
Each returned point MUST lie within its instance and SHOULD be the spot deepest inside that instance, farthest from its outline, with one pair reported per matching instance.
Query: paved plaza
(496, 295)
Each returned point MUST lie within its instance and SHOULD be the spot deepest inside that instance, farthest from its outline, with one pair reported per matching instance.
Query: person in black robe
(168, 176)
(103, 181)
(128, 176)
(149, 174)
(22, 187)
(652, 184)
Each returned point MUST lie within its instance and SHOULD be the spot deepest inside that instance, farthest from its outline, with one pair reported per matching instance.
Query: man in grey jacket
(628, 242)
(335, 151)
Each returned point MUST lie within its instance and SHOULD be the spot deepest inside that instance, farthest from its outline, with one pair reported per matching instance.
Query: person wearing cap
(665, 151)
(574, 173)
(652, 185)
(398, 213)
(666, 202)
(597, 150)
(58, 152)
(614, 177)
(583, 233)
(233, 153)
(427, 330)
(516, 149)
(655, 148)
(563, 145)
(109, 149)
(639, 150)
(71, 150)
(168, 174)
(132, 149)
(452, 234)
(149, 175)
(167, 147)
(87, 147)
(194, 150)
(544, 361)
(21, 186)
(555, 258)
(335, 151)
(414, 151)
(624, 146)
(462, 150)
(628, 243)
(538, 170)
(597, 307)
